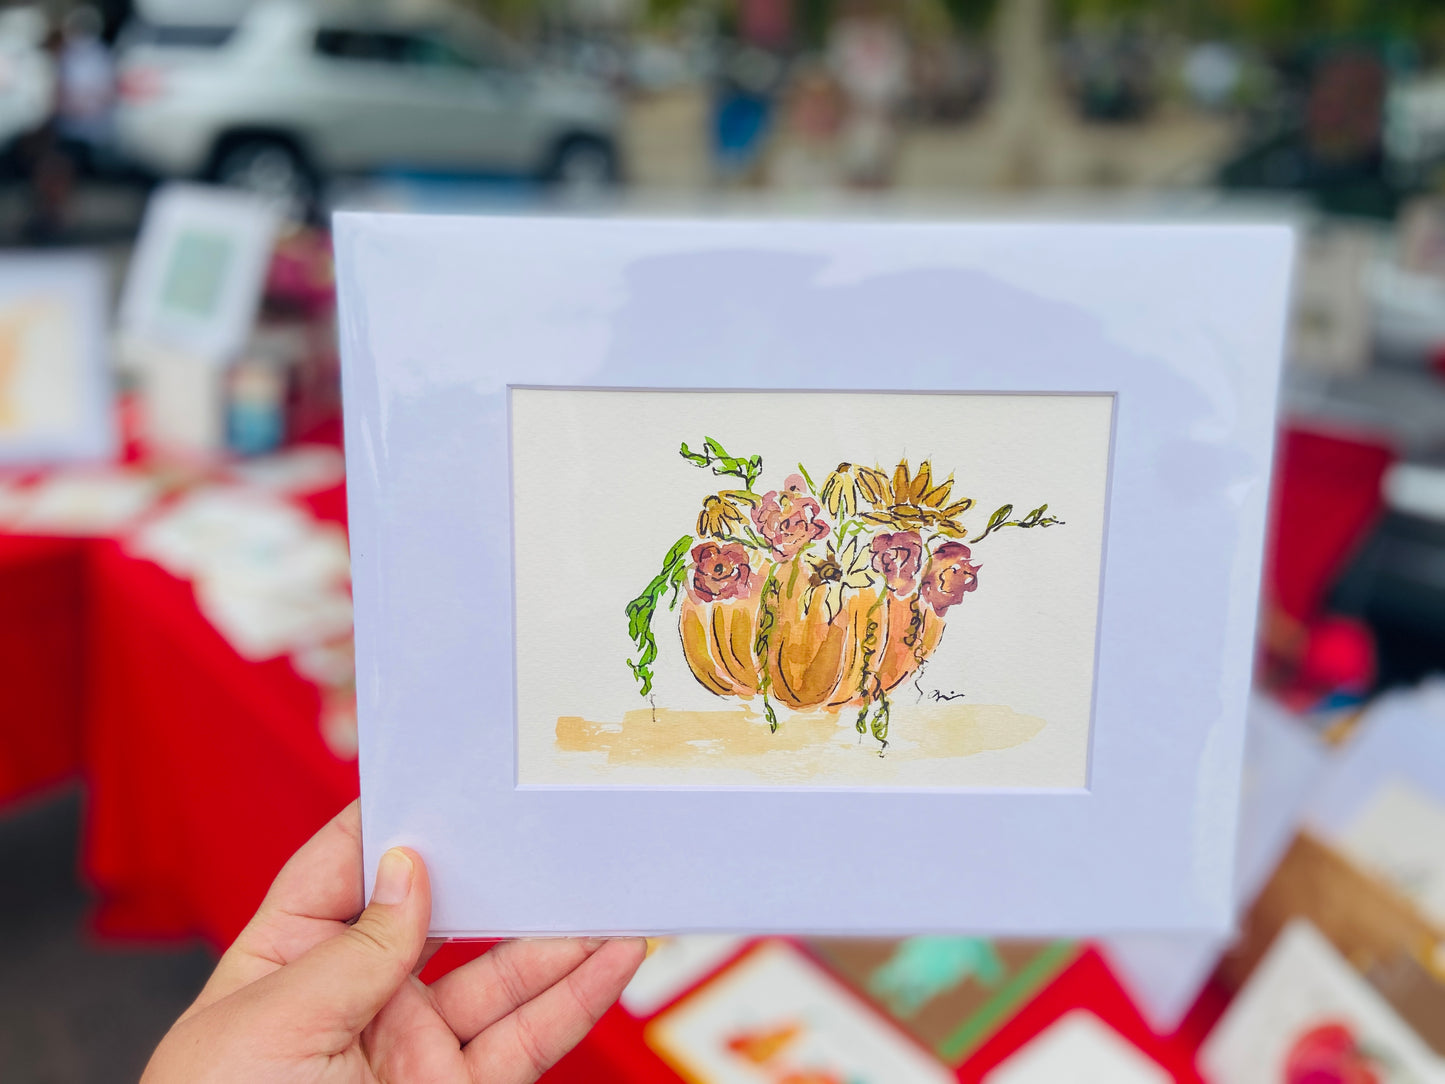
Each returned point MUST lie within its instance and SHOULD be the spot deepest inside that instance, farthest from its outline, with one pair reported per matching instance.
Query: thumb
(342, 983)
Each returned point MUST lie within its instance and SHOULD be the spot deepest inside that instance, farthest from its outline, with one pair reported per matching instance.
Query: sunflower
(913, 502)
(720, 517)
(831, 573)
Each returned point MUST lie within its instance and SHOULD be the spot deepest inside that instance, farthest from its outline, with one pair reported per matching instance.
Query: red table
(42, 687)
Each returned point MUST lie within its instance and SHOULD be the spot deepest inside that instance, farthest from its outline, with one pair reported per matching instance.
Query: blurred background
(176, 673)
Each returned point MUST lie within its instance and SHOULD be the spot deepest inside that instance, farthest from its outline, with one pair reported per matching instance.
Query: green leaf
(1000, 519)
(641, 610)
(714, 455)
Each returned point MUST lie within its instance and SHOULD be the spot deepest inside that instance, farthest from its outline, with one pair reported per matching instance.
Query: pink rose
(948, 577)
(788, 519)
(898, 557)
(720, 572)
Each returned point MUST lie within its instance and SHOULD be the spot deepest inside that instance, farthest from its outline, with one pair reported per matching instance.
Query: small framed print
(775, 1017)
(199, 268)
(747, 572)
(1307, 1015)
(56, 387)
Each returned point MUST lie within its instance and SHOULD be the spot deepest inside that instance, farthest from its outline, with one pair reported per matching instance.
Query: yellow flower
(719, 518)
(873, 485)
(840, 491)
(912, 502)
(853, 567)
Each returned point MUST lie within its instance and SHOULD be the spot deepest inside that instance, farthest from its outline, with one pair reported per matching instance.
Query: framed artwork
(56, 385)
(199, 267)
(950, 993)
(755, 570)
(775, 1017)
(1307, 1015)
(1079, 1049)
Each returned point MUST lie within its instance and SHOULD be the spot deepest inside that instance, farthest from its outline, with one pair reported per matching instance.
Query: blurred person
(742, 114)
(869, 58)
(86, 87)
(808, 158)
(48, 170)
(313, 991)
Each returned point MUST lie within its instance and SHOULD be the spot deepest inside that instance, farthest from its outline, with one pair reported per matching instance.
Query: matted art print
(818, 577)
(811, 588)
(55, 379)
(196, 279)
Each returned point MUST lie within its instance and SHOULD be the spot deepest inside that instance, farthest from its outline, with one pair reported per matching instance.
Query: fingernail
(393, 877)
(592, 944)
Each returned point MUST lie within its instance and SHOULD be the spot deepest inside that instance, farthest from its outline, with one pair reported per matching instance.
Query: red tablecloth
(42, 687)
(1326, 496)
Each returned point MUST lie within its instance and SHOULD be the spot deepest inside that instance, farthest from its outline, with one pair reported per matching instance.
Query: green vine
(714, 455)
(767, 617)
(1000, 519)
(640, 611)
(870, 648)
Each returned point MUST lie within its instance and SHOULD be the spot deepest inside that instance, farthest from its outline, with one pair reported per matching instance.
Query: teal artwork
(196, 273)
(922, 968)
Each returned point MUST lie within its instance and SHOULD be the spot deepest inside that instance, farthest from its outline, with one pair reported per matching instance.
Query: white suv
(301, 91)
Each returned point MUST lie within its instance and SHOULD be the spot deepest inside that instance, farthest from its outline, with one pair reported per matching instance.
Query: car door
(473, 112)
(370, 114)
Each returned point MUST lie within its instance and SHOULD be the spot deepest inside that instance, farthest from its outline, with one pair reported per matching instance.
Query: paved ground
(73, 1010)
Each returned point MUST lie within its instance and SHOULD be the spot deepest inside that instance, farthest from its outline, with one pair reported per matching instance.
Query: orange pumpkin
(871, 646)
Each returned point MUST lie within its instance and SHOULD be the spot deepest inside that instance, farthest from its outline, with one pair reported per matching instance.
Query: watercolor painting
(776, 1017)
(40, 368)
(817, 597)
(807, 588)
(196, 273)
(950, 993)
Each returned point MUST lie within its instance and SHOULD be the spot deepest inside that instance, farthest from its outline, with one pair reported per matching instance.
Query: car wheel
(583, 165)
(272, 169)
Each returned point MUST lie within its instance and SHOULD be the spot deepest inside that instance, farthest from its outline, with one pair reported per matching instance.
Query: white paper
(1079, 1049)
(794, 1018)
(1301, 985)
(86, 503)
(295, 471)
(1015, 663)
(269, 577)
(674, 965)
(1400, 835)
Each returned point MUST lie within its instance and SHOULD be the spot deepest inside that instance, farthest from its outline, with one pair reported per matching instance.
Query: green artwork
(924, 967)
(196, 274)
(951, 993)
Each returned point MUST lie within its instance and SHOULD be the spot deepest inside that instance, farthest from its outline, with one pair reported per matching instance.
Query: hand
(305, 994)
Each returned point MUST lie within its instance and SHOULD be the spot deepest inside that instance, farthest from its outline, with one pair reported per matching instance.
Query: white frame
(1184, 325)
(79, 281)
(247, 222)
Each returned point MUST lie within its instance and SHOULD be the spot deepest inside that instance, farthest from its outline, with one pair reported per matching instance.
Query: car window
(434, 51)
(412, 49)
(178, 35)
(361, 45)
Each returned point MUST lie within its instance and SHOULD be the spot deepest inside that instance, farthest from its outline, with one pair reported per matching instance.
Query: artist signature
(938, 696)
